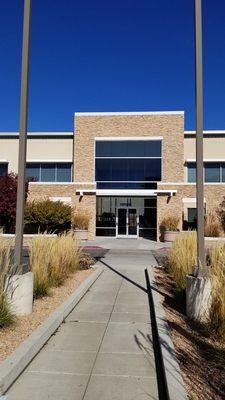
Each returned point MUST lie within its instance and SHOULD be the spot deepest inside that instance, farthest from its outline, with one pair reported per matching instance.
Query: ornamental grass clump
(182, 258)
(65, 258)
(217, 272)
(80, 220)
(170, 223)
(40, 262)
(52, 260)
(6, 314)
(212, 227)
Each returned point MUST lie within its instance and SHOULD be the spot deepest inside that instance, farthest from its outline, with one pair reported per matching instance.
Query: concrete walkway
(103, 350)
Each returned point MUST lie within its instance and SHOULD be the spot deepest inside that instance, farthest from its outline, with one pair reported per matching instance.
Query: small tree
(8, 195)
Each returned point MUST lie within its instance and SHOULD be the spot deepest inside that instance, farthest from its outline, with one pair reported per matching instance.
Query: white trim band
(127, 138)
(105, 114)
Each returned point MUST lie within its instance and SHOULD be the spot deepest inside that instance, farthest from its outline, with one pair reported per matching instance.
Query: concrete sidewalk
(103, 350)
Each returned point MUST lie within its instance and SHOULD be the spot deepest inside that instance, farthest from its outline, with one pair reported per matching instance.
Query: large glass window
(49, 172)
(107, 207)
(191, 167)
(119, 164)
(214, 172)
(128, 148)
(3, 169)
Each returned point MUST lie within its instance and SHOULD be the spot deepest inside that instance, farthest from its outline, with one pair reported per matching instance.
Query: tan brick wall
(169, 126)
(87, 203)
(40, 191)
(166, 205)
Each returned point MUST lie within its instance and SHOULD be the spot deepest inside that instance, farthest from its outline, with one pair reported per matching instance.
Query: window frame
(52, 163)
(128, 139)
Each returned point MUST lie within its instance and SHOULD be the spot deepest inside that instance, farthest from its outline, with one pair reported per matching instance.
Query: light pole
(202, 270)
(22, 137)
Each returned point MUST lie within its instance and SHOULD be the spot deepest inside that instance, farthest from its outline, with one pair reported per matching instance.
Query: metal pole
(202, 271)
(22, 137)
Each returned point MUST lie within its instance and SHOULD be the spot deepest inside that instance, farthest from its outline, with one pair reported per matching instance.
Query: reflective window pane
(152, 170)
(212, 172)
(191, 168)
(33, 171)
(63, 172)
(3, 169)
(119, 170)
(223, 172)
(103, 170)
(128, 148)
(48, 172)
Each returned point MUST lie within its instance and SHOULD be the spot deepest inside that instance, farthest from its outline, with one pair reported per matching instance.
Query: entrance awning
(126, 192)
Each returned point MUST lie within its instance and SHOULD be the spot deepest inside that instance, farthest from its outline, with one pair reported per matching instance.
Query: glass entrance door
(127, 222)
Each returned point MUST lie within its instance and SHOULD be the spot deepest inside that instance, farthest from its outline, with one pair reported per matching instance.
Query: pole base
(198, 297)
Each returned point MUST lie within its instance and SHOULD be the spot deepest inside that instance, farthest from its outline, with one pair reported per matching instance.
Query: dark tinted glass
(128, 170)
(63, 172)
(48, 172)
(105, 232)
(223, 172)
(3, 169)
(119, 169)
(33, 171)
(212, 172)
(152, 170)
(191, 172)
(103, 170)
(126, 185)
(128, 148)
(148, 233)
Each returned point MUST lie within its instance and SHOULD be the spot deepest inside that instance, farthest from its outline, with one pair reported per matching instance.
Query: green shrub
(182, 258)
(47, 216)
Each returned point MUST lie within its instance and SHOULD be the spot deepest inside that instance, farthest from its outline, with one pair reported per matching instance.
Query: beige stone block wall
(169, 126)
(166, 205)
(86, 204)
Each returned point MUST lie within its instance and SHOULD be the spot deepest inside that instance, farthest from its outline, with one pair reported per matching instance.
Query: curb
(13, 365)
(174, 378)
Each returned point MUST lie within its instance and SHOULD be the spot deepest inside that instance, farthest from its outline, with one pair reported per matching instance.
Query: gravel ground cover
(201, 358)
(11, 337)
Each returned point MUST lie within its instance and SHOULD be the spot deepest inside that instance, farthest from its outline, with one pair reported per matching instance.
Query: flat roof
(105, 114)
(47, 134)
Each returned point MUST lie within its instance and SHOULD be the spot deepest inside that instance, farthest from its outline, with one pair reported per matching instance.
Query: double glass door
(127, 222)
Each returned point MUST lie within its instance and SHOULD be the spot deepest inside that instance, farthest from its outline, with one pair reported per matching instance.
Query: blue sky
(120, 55)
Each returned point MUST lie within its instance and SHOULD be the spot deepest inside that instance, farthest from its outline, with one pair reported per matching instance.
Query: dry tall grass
(80, 220)
(170, 223)
(213, 227)
(6, 315)
(52, 260)
(217, 270)
(182, 258)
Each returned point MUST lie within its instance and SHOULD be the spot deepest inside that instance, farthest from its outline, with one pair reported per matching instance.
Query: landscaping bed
(11, 337)
(200, 354)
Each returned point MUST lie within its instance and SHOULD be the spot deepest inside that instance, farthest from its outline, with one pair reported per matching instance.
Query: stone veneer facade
(168, 126)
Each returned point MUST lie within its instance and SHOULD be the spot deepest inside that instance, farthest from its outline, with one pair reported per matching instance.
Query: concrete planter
(170, 236)
(81, 234)
(198, 297)
(19, 290)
